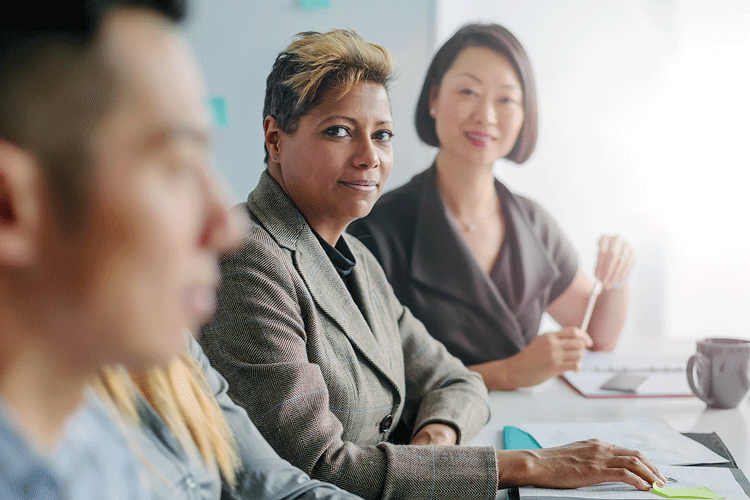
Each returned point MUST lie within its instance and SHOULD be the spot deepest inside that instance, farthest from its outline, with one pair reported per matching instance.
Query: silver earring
(433, 111)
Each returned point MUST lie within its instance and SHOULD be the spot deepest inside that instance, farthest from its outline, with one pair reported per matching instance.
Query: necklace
(470, 227)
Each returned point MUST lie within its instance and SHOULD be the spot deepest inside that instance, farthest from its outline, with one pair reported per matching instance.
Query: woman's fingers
(576, 334)
(616, 258)
(625, 465)
(612, 250)
(625, 264)
(640, 472)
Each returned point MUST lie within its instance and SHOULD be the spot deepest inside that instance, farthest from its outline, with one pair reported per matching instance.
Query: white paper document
(717, 479)
(653, 437)
(617, 361)
(657, 384)
(665, 375)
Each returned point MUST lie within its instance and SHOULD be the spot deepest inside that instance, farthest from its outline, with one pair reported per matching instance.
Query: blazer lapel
(283, 220)
(450, 268)
(537, 268)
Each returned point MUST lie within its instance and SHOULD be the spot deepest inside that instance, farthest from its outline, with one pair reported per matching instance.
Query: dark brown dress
(479, 317)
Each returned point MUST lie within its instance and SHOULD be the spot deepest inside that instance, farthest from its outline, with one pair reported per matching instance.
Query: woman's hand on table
(548, 356)
(583, 463)
(616, 258)
(436, 434)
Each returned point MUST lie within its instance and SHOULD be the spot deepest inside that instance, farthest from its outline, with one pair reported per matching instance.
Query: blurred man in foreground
(111, 226)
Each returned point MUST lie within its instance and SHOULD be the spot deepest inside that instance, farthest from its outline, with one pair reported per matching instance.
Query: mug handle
(690, 371)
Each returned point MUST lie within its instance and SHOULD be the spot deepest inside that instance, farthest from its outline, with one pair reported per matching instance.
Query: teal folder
(516, 439)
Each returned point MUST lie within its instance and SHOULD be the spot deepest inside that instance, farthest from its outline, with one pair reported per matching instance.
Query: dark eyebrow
(353, 121)
(475, 78)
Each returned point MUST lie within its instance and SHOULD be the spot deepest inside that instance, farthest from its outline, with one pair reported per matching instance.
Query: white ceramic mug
(718, 371)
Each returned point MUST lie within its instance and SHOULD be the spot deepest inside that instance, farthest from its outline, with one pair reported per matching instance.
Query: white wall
(644, 109)
(644, 124)
(237, 41)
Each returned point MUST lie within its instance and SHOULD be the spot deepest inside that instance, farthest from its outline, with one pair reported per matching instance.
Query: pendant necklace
(470, 227)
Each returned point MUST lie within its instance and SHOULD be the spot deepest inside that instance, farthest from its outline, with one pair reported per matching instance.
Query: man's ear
(272, 134)
(20, 206)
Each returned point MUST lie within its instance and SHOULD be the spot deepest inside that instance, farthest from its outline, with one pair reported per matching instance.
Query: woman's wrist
(497, 375)
(514, 468)
(619, 284)
(436, 434)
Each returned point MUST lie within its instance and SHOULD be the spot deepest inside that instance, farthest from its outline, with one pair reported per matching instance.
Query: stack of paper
(669, 450)
(653, 437)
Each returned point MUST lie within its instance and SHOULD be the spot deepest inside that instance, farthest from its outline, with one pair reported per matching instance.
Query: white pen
(590, 306)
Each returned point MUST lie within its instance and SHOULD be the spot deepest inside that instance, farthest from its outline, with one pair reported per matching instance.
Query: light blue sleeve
(264, 474)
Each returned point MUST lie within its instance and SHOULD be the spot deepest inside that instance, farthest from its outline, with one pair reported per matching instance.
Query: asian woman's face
(478, 107)
(334, 166)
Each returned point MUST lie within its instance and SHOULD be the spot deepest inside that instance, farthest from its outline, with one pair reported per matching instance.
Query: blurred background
(644, 126)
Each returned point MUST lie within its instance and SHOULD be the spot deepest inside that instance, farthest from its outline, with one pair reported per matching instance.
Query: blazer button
(386, 423)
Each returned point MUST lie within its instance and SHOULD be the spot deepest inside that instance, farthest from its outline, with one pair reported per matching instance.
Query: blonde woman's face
(334, 166)
(478, 107)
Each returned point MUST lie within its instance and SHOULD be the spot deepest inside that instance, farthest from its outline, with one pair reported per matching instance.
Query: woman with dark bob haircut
(478, 264)
(339, 376)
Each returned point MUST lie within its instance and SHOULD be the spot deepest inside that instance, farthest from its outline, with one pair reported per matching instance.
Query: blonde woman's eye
(383, 136)
(337, 131)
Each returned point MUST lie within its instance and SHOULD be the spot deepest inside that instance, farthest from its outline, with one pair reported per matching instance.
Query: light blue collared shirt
(91, 461)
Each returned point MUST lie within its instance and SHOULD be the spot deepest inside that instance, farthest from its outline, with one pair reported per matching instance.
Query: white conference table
(555, 401)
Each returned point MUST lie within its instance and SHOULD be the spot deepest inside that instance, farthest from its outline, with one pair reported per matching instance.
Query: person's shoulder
(529, 207)
(22, 468)
(94, 453)
(255, 235)
(541, 223)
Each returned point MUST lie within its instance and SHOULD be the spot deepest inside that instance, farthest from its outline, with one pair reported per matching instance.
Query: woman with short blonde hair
(333, 370)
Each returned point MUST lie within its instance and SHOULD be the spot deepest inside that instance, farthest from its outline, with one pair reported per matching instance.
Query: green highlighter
(700, 492)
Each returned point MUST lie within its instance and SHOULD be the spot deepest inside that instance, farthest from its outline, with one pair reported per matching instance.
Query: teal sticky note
(221, 113)
(313, 4)
(516, 439)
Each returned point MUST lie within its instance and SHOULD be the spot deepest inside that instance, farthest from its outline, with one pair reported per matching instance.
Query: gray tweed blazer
(323, 380)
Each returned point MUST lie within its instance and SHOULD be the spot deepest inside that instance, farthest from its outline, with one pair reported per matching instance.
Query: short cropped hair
(315, 63)
(499, 39)
(55, 86)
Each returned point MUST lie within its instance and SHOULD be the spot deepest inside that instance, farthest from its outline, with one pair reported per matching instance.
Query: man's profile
(111, 226)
